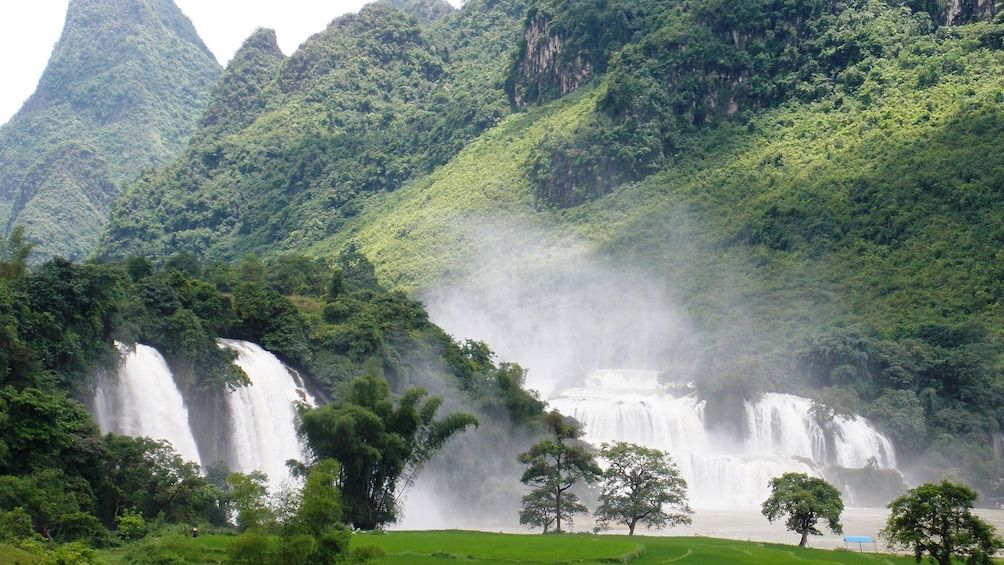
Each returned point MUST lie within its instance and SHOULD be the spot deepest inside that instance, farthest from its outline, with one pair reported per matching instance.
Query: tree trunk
(805, 538)
(557, 513)
(631, 524)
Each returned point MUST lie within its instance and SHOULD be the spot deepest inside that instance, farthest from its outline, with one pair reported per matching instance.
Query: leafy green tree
(555, 465)
(320, 504)
(297, 275)
(319, 516)
(381, 447)
(641, 485)
(47, 496)
(67, 311)
(249, 496)
(149, 477)
(937, 520)
(249, 548)
(805, 501)
(14, 252)
(45, 431)
(539, 509)
(185, 262)
(82, 527)
(15, 525)
(900, 415)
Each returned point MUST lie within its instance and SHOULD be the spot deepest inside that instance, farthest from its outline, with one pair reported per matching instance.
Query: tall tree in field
(937, 520)
(641, 485)
(380, 446)
(805, 501)
(554, 466)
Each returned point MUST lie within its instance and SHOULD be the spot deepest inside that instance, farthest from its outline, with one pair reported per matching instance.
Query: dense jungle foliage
(61, 480)
(122, 92)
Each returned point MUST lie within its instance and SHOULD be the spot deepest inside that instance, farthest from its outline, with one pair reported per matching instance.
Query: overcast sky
(30, 28)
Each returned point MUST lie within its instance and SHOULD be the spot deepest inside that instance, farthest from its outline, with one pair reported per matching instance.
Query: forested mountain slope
(360, 108)
(122, 92)
(806, 195)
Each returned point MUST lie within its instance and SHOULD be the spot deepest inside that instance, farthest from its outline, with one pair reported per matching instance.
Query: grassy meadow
(446, 546)
(477, 547)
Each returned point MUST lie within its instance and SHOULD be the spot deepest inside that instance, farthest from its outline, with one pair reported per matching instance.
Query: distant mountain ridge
(125, 86)
(359, 109)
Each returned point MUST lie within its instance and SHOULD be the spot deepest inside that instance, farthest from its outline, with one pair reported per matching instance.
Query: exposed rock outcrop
(544, 71)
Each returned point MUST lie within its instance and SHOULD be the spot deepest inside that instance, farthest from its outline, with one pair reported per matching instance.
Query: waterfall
(263, 415)
(783, 424)
(259, 431)
(781, 435)
(144, 401)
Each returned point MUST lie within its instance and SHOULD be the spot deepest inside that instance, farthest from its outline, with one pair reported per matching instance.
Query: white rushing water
(142, 400)
(263, 415)
(781, 435)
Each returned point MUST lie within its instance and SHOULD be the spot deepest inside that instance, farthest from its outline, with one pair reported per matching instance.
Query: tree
(319, 516)
(804, 500)
(249, 495)
(14, 252)
(641, 485)
(149, 477)
(381, 447)
(555, 465)
(937, 520)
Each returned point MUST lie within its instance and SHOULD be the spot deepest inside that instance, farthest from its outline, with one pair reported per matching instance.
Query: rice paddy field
(442, 547)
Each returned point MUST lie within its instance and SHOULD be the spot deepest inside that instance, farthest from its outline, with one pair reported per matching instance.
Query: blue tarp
(859, 539)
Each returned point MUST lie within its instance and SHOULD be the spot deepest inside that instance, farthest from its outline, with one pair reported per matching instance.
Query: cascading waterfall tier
(784, 424)
(263, 415)
(781, 435)
(142, 400)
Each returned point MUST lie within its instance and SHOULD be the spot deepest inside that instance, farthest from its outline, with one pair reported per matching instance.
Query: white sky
(29, 30)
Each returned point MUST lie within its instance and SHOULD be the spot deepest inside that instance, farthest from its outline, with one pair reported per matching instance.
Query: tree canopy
(936, 520)
(804, 501)
(641, 485)
(380, 442)
(555, 465)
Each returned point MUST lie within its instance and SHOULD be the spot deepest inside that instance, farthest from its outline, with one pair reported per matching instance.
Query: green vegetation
(381, 447)
(847, 240)
(553, 466)
(308, 529)
(122, 92)
(62, 481)
(360, 108)
(813, 184)
(641, 485)
(437, 547)
(936, 520)
(474, 547)
(803, 501)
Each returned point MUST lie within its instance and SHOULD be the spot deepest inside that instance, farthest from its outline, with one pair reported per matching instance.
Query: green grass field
(445, 547)
(11, 555)
(441, 547)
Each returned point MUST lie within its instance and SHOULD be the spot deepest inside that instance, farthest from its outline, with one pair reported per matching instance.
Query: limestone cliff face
(544, 71)
(959, 12)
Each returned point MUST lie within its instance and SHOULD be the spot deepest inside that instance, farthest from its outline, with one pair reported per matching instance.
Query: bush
(131, 525)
